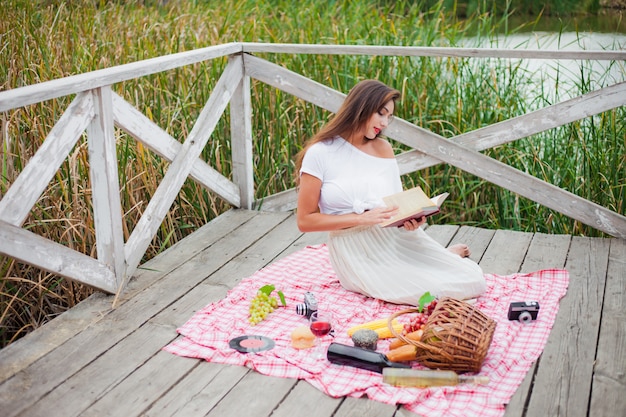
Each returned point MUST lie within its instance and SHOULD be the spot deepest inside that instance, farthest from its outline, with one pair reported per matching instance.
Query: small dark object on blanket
(366, 339)
(523, 311)
(251, 343)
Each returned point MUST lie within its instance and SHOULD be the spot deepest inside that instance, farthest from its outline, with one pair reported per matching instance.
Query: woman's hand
(414, 224)
(377, 215)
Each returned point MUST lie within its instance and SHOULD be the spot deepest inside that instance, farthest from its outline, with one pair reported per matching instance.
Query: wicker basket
(456, 336)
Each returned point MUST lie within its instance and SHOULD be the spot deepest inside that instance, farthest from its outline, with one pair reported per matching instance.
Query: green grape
(260, 307)
(263, 304)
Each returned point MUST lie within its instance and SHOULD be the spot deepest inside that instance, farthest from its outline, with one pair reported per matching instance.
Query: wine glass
(320, 324)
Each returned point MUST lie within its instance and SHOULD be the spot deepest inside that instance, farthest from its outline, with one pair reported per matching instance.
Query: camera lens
(302, 309)
(525, 317)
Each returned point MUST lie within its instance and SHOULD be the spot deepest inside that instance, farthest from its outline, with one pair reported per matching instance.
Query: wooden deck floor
(98, 361)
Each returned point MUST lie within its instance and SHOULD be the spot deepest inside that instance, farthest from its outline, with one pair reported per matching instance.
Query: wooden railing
(96, 109)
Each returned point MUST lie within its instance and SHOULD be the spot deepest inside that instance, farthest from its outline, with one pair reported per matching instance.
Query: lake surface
(604, 22)
(566, 75)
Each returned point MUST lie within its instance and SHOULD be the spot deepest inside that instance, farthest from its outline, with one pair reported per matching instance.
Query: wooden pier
(97, 361)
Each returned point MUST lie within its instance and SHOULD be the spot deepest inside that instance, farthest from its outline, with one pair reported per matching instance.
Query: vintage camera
(308, 307)
(524, 311)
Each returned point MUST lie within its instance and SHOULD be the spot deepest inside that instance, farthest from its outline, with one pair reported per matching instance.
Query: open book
(412, 204)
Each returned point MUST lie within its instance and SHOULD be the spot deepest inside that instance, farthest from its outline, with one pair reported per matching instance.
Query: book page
(439, 199)
(412, 203)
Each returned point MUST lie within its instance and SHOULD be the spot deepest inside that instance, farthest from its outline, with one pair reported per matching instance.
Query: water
(604, 22)
(566, 76)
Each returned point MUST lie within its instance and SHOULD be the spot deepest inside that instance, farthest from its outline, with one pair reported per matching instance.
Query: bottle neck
(473, 379)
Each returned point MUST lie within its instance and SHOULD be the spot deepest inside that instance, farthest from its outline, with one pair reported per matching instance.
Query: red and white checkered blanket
(514, 348)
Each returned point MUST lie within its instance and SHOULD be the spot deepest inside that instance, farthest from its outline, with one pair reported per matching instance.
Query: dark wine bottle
(360, 358)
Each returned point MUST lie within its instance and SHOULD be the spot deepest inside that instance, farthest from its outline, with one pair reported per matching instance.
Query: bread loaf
(302, 338)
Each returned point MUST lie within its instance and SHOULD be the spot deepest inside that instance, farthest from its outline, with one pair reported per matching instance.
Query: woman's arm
(311, 220)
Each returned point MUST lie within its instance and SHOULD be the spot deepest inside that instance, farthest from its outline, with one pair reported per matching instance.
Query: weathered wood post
(241, 141)
(105, 185)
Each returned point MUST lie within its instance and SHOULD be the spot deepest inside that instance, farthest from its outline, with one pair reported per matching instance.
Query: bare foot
(460, 249)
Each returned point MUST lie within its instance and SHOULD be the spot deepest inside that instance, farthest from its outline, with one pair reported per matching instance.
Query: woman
(344, 171)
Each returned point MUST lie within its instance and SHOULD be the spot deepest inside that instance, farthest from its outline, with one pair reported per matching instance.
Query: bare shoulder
(383, 148)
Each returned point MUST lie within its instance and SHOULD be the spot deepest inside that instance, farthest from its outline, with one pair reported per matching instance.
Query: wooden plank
(442, 233)
(41, 341)
(199, 391)
(241, 142)
(609, 377)
(562, 384)
(106, 372)
(364, 407)
(184, 250)
(296, 240)
(305, 399)
(281, 201)
(23, 96)
(384, 50)
(404, 413)
(181, 166)
(53, 257)
(60, 364)
(306, 239)
(105, 186)
(204, 397)
(144, 383)
(545, 252)
(476, 238)
(215, 286)
(20, 198)
(156, 139)
(259, 394)
(505, 253)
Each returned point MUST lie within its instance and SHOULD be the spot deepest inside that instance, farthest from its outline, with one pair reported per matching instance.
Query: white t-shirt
(352, 180)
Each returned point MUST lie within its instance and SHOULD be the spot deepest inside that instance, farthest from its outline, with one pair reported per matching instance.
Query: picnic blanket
(514, 348)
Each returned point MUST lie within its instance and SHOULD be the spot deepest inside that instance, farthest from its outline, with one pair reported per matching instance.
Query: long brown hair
(365, 98)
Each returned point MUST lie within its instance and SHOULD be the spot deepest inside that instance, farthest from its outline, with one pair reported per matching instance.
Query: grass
(45, 40)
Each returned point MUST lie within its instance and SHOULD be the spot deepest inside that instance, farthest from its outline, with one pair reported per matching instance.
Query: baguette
(403, 353)
(416, 335)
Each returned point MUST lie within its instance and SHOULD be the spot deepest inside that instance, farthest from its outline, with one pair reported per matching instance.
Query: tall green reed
(51, 39)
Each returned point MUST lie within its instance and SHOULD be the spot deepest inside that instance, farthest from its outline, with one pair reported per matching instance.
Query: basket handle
(399, 335)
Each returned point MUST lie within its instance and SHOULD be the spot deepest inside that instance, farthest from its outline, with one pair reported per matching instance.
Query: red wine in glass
(320, 325)
(320, 328)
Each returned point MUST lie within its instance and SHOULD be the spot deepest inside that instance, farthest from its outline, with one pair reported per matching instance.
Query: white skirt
(399, 266)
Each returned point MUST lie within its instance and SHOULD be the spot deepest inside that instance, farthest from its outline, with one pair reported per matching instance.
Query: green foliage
(45, 40)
